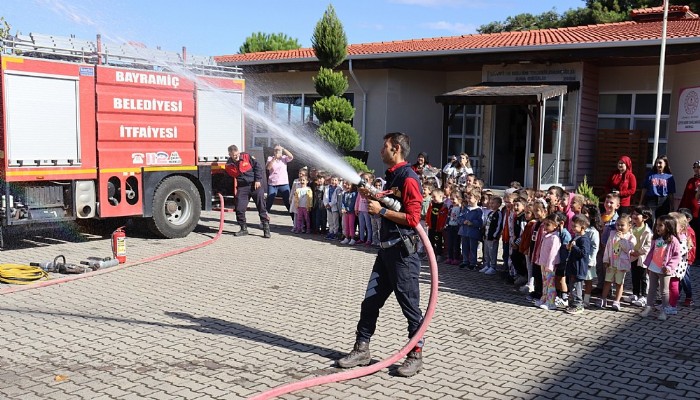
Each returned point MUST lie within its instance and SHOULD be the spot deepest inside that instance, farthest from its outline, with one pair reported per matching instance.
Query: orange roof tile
(604, 33)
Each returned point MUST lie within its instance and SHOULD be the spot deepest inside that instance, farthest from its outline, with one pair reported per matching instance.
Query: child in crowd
(427, 190)
(295, 185)
(547, 257)
(661, 262)
(617, 260)
(516, 224)
(319, 220)
(609, 218)
(453, 242)
(524, 247)
(506, 210)
(448, 203)
(435, 220)
(471, 221)
(492, 233)
(376, 218)
(560, 267)
(302, 202)
(576, 203)
(592, 212)
(362, 213)
(642, 234)
(577, 262)
(330, 202)
(682, 268)
(347, 210)
(556, 199)
(539, 209)
(685, 283)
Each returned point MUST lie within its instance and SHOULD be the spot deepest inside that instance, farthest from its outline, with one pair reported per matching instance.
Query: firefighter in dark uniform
(247, 174)
(397, 266)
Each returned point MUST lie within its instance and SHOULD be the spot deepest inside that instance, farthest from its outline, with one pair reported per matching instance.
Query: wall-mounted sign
(531, 73)
(689, 110)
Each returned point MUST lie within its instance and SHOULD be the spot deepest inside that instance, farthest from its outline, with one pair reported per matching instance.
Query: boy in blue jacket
(471, 220)
(577, 263)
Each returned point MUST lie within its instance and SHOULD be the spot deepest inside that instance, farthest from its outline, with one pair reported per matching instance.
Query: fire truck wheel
(176, 208)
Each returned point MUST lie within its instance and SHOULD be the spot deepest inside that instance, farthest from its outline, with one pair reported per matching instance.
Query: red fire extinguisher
(119, 245)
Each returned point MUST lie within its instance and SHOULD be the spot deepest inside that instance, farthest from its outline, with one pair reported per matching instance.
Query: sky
(210, 28)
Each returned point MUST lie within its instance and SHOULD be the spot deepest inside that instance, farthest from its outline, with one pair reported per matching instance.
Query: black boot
(266, 229)
(243, 231)
(412, 364)
(358, 356)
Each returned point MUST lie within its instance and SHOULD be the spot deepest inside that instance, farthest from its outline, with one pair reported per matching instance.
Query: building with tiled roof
(465, 94)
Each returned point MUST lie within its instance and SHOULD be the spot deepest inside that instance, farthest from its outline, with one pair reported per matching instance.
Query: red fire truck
(91, 132)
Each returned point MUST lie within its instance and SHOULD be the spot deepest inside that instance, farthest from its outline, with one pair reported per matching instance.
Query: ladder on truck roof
(130, 55)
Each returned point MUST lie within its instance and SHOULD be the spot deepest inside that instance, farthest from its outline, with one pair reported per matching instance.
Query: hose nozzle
(388, 202)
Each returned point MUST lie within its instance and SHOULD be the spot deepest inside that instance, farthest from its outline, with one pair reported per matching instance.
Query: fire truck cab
(93, 132)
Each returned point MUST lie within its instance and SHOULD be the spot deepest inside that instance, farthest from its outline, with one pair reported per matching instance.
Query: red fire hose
(128, 265)
(370, 369)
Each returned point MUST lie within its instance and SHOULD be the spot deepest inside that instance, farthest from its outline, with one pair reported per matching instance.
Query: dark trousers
(659, 206)
(273, 191)
(537, 276)
(519, 264)
(686, 286)
(243, 195)
(319, 220)
(469, 248)
(453, 243)
(640, 281)
(392, 272)
(436, 241)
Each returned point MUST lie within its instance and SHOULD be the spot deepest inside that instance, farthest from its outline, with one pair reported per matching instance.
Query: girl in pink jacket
(661, 262)
(548, 257)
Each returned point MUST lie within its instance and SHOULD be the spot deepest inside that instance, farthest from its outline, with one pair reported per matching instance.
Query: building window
(464, 133)
(635, 111)
(286, 110)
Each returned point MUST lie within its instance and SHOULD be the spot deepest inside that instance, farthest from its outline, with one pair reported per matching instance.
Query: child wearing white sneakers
(617, 260)
(643, 234)
(492, 234)
(547, 258)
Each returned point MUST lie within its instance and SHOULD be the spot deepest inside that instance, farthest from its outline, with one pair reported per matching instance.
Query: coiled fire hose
(372, 368)
(128, 265)
(18, 274)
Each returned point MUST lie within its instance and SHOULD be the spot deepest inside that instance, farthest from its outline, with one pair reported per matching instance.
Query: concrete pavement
(246, 314)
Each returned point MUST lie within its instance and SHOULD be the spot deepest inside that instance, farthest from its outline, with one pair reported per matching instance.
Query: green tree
(595, 12)
(329, 40)
(260, 41)
(4, 28)
(335, 112)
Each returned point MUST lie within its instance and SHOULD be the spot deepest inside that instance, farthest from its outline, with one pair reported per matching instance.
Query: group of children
(556, 246)
(332, 207)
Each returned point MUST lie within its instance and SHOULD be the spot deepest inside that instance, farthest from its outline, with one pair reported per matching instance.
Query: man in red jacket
(247, 175)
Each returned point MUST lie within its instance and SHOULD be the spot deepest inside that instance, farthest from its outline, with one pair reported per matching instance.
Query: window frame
(633, 117)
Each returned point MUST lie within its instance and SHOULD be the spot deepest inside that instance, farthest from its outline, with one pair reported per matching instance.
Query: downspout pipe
(364, 105)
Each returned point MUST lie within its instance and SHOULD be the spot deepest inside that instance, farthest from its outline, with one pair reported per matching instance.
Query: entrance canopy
(532, 97)
(490, 93)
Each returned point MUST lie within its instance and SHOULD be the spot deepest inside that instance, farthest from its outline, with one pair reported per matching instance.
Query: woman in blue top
(659, 188)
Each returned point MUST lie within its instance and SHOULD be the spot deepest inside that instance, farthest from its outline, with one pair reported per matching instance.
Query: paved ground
(246, 314)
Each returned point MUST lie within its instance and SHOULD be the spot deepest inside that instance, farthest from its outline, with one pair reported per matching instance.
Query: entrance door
(509, 145)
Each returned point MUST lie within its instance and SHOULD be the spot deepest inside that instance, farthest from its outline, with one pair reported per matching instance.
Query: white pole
(660, 87)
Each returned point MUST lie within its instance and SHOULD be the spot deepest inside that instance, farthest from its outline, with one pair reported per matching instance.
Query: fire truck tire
(176, 208)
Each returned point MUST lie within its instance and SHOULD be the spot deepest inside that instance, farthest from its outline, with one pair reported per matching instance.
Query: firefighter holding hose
(397, 266)
(247, 174)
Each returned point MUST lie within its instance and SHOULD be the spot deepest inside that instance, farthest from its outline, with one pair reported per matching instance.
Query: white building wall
(411, 108)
